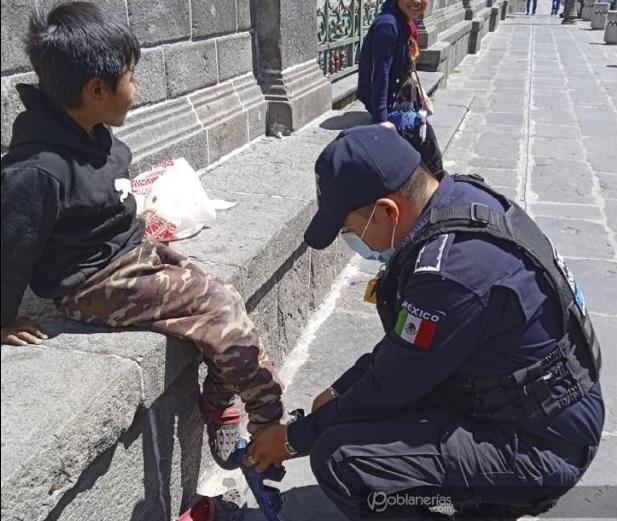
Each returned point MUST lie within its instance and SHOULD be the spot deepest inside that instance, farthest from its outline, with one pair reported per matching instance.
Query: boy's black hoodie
(66, 213)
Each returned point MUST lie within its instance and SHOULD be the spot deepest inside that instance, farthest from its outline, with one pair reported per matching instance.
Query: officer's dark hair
(413, 190)
(75, 43)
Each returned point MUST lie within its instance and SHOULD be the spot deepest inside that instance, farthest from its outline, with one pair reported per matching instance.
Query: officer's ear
(387, 211)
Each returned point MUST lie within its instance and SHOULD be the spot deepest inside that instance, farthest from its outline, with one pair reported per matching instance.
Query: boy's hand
(22, 331)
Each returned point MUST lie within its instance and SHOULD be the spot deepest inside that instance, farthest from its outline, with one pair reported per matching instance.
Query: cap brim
(323, 229)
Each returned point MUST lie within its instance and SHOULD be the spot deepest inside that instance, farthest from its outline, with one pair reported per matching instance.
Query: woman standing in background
(385, 73)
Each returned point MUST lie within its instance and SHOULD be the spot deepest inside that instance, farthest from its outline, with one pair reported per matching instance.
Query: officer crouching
(484, 388)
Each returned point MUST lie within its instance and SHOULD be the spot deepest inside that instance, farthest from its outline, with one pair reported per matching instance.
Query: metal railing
(341, 27)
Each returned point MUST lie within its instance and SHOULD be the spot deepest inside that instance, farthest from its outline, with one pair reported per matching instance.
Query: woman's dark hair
(77, 42)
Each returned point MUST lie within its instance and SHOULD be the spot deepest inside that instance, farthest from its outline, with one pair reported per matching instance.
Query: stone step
(451, 107)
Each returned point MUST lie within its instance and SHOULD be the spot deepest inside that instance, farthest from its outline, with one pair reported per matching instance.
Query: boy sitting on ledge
(71, 234)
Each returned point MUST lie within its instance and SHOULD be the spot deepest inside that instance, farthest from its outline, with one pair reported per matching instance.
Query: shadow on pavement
(306, 503)
(347, 120)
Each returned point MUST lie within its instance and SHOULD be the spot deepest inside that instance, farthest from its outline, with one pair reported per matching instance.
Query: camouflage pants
(156, 288)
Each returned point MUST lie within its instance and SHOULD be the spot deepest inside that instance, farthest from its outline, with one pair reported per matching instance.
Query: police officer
(484, 388)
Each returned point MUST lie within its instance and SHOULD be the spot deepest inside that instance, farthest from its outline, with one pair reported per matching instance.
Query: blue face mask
(356, 244)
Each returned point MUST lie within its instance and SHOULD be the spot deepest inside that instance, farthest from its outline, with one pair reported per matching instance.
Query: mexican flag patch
(417, 326)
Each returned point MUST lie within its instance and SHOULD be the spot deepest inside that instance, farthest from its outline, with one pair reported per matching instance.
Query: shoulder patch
(417, 325)
(432, 254)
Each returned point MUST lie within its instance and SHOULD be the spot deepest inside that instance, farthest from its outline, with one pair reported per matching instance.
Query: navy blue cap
(361, 165)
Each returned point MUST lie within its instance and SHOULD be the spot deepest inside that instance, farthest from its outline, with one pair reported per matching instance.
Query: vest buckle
(479, 213)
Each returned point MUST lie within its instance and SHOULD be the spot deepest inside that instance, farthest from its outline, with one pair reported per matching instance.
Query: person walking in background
(534, 6)
(554, 8)
(387, 79)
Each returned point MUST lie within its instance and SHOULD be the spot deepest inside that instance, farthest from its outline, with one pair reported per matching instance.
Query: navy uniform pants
(439, 453)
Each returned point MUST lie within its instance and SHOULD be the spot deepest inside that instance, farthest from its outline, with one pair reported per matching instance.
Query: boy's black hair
(77, 42)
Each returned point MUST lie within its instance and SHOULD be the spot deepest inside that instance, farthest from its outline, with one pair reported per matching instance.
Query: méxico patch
(418, 325)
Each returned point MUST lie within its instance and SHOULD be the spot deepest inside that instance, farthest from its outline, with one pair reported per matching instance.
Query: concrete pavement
(543, 128)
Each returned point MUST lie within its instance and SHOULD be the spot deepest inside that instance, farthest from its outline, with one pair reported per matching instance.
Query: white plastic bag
(173, 202)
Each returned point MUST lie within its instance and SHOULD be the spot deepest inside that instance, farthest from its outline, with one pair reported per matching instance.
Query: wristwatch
(289, 448)
(294, 415)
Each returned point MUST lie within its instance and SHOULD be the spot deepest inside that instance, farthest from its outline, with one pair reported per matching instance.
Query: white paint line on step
(300, 354)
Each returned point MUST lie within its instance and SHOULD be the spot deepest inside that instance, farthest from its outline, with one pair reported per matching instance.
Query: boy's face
(115, 104)
(104, 104)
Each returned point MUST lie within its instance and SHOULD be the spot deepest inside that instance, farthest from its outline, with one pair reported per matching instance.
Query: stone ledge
(95, 392)
(56, 421)
(344, 90)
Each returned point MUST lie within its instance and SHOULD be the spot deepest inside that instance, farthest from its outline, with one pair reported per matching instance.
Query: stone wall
(197, 94)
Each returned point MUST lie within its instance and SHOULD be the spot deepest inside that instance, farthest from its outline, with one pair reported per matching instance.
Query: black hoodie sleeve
(30, 208)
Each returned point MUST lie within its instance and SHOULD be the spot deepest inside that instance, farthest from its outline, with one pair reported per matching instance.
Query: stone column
(286, 61)
(587, 9)
(610, 33)
(600, 12)
(569, 11)
(427, 29)
(469, 8)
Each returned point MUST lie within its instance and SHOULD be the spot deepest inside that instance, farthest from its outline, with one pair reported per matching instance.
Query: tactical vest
(543, 388)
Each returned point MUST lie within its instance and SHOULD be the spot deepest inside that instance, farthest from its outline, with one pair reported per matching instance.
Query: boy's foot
(223, 432)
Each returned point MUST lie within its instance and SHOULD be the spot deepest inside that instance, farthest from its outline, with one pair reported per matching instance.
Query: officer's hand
(267, 448)
(22, 331)
(323, 398)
